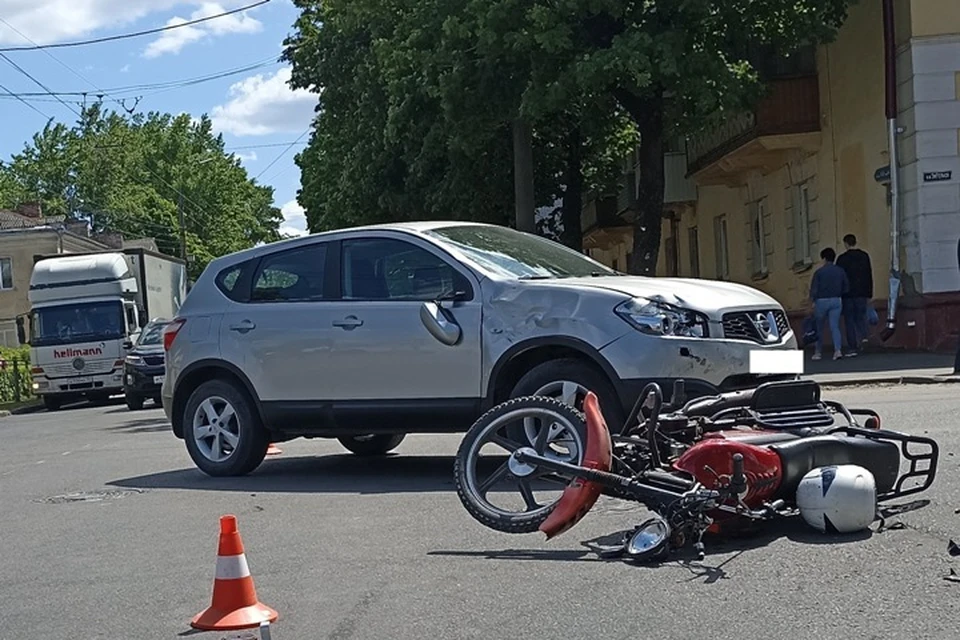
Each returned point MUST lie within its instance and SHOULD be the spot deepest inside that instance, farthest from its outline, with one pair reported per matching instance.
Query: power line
(58, 60)
(162, 86)
(25, 102)
(43, 86)
(134, 34)
(283, 153)
(265, 146)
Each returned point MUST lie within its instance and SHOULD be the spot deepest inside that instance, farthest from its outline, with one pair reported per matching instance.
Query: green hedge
(16, 383)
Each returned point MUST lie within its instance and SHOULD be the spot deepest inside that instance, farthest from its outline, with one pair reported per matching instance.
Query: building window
(694, 243)
(721, 247)
(757, 211)
(6, 274)
(801, 227)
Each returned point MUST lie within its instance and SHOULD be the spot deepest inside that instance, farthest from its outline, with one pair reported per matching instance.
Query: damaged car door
(408, 336)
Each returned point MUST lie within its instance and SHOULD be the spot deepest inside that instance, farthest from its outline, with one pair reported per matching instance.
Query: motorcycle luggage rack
(928, 475)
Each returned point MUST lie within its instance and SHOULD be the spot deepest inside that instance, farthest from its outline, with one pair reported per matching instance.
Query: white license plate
(157, 379)
(776, 362)
(81, 380)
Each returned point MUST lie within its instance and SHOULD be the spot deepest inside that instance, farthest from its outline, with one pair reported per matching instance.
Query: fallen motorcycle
(709, 465)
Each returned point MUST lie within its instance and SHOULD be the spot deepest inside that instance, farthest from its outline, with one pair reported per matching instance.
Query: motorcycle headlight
(661, 319)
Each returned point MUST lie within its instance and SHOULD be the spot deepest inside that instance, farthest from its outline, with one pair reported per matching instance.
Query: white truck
(86, 312)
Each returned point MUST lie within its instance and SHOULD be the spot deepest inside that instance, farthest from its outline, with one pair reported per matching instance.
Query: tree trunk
(572, 235)
(647, 113)
(523, 176)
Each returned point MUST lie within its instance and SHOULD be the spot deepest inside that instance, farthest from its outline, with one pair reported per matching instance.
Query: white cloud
(50, 21)
(261, 105)
(175, 40)
(247, 157)
(294, 220)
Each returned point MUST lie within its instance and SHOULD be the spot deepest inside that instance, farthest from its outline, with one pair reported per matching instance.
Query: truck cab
(86, 311)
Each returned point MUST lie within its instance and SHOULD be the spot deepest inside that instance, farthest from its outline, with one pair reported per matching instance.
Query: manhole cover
(89, 496)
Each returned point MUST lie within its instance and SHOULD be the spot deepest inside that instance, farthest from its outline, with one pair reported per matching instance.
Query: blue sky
(251, 108)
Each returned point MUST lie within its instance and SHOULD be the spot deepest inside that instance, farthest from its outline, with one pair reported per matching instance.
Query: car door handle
(348, 323)
(243, 327)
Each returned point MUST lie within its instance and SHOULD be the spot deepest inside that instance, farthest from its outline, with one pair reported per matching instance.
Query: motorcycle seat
(881, 458)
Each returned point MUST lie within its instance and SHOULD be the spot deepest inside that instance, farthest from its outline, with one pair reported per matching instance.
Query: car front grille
(153, 361)
(740, 325)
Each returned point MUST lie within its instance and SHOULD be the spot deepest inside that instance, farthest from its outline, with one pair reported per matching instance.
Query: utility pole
(956, 361)
(183, 230)
(523, 175)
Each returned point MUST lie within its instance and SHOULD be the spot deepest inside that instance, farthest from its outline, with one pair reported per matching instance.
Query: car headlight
(135, 361)
(662, 319)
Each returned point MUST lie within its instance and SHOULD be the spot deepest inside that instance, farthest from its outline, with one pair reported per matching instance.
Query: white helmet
(838, 499)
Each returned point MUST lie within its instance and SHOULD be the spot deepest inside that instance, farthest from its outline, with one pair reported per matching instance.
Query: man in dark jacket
(856, 262)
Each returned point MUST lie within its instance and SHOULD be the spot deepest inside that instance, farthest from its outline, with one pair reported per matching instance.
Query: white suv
(370, 333)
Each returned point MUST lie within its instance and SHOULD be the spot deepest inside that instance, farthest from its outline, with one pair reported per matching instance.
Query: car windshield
(152, 334)
(511, 253)
(72, 323)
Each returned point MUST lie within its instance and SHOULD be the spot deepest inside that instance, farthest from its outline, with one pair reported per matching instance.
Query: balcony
(786, 120)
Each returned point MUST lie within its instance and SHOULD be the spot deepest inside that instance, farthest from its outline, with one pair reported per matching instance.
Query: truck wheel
(134, 402)
(372, 445)
(50, 403)
(222, 430)
(568, 380)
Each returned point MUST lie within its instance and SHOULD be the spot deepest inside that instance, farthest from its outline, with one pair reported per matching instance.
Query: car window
(152, 334)
(389, 269)
(291, 275)
(510, 253)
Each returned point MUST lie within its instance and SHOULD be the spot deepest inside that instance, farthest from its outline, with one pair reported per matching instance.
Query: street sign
(937, 176)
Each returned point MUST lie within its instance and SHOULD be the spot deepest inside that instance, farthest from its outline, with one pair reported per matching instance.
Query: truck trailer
(86, 312)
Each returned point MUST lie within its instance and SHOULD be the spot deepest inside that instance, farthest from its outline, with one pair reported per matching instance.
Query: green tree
(132, 174)
(391, 144)
(674, 68)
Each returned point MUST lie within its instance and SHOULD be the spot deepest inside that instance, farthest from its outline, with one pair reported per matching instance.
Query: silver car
(370, 333)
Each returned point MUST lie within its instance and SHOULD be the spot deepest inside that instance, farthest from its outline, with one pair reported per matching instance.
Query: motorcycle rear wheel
(566, 425)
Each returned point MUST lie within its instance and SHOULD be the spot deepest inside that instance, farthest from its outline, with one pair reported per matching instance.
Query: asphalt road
(347, 548)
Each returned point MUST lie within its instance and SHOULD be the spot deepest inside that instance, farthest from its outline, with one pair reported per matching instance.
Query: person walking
(827, 288)
(856, 263)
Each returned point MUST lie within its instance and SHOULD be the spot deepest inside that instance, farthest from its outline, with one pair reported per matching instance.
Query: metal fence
(16, 383)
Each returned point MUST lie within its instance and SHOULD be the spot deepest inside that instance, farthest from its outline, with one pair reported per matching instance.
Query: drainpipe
(890, 72)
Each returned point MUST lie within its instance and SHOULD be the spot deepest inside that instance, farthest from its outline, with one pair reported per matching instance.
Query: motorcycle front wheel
(477, 475)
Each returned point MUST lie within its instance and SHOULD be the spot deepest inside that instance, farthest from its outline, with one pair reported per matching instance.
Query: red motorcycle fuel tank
(580, 496)
(714, 456)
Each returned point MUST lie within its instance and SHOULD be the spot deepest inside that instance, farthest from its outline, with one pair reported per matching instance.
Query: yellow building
(755, 200)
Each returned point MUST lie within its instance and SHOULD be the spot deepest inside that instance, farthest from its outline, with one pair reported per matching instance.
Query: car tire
(134, 402)
(372, 445)
(251, 437)
(573, 370)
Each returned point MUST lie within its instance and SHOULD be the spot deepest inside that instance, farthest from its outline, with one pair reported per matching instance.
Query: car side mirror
(440, 323)
(21, 332)
(128, 344)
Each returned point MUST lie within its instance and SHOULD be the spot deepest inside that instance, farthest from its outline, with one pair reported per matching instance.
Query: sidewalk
(897, 367)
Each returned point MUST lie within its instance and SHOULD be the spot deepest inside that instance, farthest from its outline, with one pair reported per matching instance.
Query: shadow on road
(143, 425)
(338, 473)
(792, 529)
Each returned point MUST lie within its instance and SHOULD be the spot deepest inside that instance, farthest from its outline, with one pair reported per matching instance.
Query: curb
(29, 408)
(860, 382)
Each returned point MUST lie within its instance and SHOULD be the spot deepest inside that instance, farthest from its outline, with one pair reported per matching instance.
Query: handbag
(810, 331)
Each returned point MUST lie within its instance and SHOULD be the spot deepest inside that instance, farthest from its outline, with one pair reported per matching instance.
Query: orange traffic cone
(235, 604)
(274, 450)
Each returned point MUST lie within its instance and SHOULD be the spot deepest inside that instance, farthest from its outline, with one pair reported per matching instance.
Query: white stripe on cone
(232, 567)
